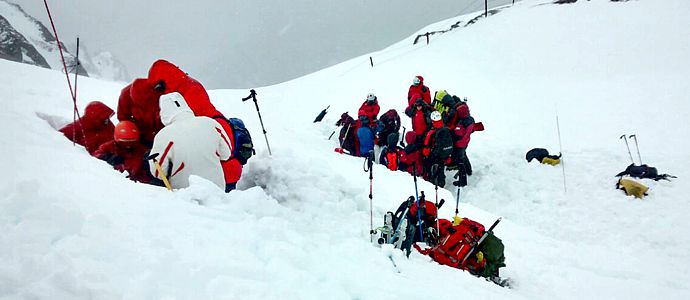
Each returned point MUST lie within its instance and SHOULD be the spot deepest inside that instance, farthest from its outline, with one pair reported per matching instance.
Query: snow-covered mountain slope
(71, 227)
(38, 36)
(25, 39)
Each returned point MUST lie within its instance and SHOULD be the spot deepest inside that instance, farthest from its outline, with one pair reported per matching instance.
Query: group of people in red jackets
(441, 129)
(142, 115)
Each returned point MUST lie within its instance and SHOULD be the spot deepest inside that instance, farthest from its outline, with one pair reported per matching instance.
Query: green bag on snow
(492, 247)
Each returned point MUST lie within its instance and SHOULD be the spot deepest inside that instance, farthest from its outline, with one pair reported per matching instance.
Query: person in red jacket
(126, 153)
(420, 113)
(368, 112)
(93, 129)
(139, 103)
(462, 131)
(411, 159)
(166, 77)
(418, 89)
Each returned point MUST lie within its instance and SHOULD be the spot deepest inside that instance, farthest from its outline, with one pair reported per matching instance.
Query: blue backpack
(243, 148)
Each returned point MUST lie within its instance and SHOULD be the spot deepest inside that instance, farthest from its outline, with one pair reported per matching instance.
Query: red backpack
(392, 159)
(455, 243)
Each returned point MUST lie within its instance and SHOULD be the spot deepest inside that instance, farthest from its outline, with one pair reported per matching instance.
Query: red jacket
(371, 111)
(412, 154)
(232, 168)
(463, 135)
(96, 124)
(126, 159)
(416, 91)
(178, 81)
(420, 123)
(139, 103)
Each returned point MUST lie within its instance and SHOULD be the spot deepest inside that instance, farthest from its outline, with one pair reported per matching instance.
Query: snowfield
(71, 227)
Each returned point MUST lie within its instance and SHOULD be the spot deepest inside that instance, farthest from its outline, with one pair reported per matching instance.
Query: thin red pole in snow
(73, 93)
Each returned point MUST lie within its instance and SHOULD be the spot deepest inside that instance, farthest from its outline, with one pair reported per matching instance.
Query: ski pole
(252, 95)
(332, 133)
(370, 164)
(560, 146)
(634, 136)
(456, 219)
(626, 146)
(438, 227)
(419, 209)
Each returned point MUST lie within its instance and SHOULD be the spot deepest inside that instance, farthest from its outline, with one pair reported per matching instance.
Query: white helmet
(371, 97)
(416, 80)
(435, 116)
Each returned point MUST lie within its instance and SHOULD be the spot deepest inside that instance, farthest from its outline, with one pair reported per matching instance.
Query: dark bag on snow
(243, 148)
(492, 248)
(644, 171)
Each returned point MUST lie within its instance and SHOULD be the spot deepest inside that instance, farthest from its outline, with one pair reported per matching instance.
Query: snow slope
(71, 227)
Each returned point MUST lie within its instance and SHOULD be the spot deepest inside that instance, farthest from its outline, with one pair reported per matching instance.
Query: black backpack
(243, 148)
(443, 143)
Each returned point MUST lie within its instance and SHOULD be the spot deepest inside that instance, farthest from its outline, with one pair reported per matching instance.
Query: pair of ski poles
(637, 146)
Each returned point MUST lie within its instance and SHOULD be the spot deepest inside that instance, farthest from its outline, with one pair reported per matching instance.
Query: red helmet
(126, 131)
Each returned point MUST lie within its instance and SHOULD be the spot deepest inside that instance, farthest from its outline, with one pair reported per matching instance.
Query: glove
(457, 220)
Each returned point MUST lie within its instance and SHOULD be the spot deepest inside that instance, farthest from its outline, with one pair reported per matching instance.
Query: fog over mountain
(238, 44)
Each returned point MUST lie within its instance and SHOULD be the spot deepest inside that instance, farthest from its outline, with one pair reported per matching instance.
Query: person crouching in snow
(126, 153)
(391, 153)
(411, 159)
(188, 145)
(366, 130)
(139, 103)
(93, 129)
(165, 77)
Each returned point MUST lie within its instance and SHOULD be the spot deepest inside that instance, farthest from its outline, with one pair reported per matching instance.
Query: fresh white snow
(72, 227)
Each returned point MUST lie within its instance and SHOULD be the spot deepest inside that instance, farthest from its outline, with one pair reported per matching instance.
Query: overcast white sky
(241, 44)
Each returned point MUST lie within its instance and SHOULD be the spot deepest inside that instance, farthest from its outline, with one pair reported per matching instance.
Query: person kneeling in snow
(126, 153)
(93, 129)
(391, 153)
(189, 145)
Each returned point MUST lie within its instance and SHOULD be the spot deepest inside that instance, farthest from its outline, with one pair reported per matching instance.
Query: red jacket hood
(95, 114)
(163, 70)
